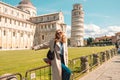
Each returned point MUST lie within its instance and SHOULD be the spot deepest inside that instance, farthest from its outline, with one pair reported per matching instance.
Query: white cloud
(92, 30)
(114, 28)
(68, 31)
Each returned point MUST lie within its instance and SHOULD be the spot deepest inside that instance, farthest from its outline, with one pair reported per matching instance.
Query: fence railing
(40, 73)
(78, 65)
(85, 64)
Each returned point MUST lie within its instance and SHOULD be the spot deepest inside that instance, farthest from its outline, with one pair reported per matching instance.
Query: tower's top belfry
(77, 6)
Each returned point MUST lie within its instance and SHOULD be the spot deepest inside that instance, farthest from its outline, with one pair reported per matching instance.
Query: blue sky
(101, 15)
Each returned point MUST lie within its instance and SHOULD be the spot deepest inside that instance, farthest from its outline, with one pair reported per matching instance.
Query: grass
(77, 52)
(13, 61)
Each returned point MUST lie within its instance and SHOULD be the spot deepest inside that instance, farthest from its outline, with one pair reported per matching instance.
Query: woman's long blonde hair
(60, 36)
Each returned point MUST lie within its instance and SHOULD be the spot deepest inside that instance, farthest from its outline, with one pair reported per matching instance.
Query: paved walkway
(109, 70)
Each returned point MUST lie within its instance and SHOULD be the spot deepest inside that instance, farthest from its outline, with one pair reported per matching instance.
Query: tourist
(60, 70)
(116, 45)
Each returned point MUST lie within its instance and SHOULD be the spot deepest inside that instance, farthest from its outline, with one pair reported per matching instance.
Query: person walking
(59, 64)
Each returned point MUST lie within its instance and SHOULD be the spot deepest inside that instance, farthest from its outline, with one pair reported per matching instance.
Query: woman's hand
(35, 48)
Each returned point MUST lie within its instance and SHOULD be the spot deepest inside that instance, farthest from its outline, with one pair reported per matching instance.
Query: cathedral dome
(25, 3)
(27, 6)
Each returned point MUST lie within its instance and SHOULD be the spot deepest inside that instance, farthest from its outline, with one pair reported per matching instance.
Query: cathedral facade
(21, 27)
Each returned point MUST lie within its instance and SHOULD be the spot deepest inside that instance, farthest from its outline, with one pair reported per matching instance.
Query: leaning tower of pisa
(77, 29)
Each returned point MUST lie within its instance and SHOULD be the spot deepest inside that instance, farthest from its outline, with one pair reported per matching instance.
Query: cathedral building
(77, 29)
(21, 27)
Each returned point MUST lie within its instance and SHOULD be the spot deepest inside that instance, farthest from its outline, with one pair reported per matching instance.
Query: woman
(59, 64)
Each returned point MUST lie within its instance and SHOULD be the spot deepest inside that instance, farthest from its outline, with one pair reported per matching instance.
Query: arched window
(43, 37)
(4, 33)
(28, 35)
(14, 34)
(21, 35)
(27, 11)
(0, 18)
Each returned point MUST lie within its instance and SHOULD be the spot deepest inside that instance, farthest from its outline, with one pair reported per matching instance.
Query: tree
(90, 40)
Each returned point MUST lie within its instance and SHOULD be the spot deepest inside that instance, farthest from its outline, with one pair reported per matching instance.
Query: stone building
(20, 27)
(103, 38)
(46, 25)
(77, 29)
(113, 39)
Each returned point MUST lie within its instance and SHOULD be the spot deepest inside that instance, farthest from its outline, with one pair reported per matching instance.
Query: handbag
(46, 60)
(51, 55)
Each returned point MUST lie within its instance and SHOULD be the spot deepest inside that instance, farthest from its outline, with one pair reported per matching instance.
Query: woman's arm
(41, 46)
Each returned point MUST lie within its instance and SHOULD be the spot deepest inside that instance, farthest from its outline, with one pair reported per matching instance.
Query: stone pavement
(109, 70)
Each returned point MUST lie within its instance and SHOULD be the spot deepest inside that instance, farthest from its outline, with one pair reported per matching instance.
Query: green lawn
(21, 60)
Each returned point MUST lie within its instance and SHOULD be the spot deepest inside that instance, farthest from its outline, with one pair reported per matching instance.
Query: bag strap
(54, 44)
